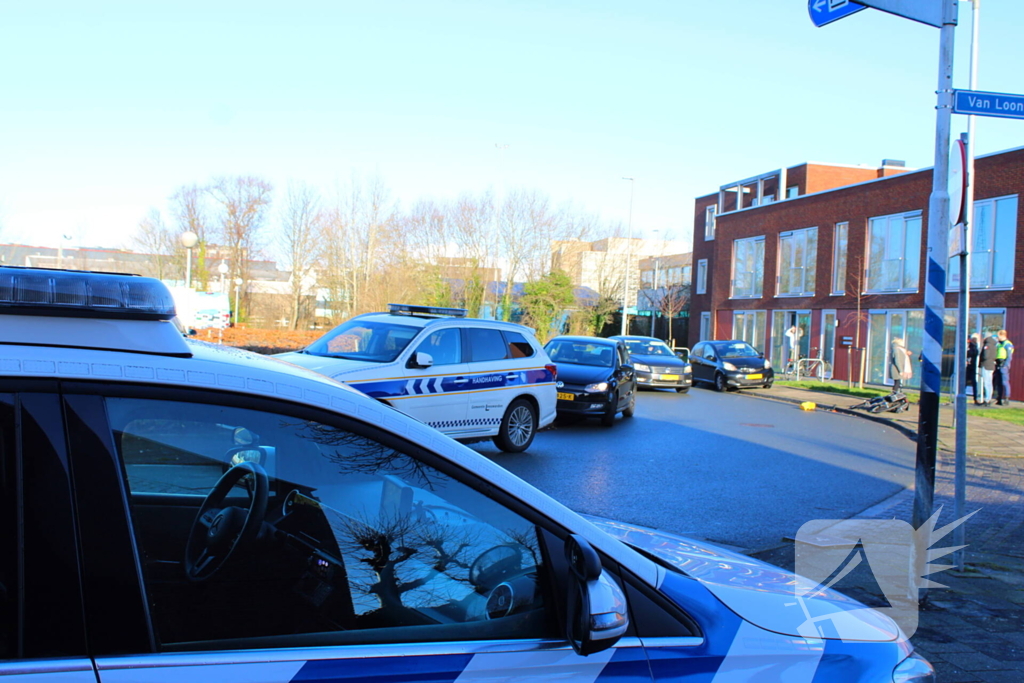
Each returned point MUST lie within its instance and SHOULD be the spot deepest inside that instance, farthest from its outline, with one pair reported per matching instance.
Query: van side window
(518, 346)
(444, 346)
(486, 344)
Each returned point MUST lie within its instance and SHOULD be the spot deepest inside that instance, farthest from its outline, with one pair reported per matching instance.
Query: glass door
(828, 339)
(791, 337)
(749, 326)
(884, 327)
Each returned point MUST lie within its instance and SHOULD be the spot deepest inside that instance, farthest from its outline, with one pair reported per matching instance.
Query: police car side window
(486, 344)
(444, 346)
(361, 542)
(518, 346)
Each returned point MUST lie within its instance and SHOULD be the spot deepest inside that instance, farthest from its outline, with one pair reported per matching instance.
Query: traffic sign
(998, 104)
(826, 11)
(926, 11)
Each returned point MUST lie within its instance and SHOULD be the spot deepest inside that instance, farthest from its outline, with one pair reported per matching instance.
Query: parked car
(732, 364)
(595, 378)
(656, 365)
(197, 512)
(468, 378)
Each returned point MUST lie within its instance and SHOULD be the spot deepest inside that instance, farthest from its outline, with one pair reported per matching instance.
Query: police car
(173, 510)
(468, 378)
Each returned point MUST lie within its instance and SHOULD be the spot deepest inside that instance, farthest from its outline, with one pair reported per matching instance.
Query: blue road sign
(826, 11)
(1001, 105)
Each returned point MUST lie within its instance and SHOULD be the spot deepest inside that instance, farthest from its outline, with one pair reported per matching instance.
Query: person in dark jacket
(987, 366)
(971, 371)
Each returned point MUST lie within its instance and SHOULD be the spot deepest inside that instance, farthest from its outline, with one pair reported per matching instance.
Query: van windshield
(377, 342)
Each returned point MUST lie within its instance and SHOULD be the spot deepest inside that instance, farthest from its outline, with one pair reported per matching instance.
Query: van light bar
(78, 293)
(409, 309)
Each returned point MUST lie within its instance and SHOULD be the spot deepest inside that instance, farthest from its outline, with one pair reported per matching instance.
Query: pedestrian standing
(987, 366)
(900, 366)
(1004, 355)
(971, 371)
(793, 335)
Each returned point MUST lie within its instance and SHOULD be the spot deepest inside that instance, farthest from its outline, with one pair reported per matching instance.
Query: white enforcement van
(466, 377)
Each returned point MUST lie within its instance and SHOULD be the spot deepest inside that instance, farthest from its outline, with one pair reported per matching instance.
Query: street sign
(826, 11)
(998, 104)
(957, 182)
(926, 11)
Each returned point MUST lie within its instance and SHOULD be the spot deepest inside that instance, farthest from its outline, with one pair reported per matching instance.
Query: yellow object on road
(808, 405)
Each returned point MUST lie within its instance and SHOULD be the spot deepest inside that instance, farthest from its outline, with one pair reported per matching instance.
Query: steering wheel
(496, 564)
(219, 531)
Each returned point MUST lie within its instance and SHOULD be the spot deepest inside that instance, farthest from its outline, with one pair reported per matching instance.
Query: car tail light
(553, 369)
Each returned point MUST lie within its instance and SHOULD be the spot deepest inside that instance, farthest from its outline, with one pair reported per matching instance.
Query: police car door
(435, 390)
(42, 628)
(377, 559)
(495, 379)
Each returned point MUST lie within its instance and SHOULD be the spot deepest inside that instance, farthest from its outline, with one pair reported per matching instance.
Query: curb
(906, 431)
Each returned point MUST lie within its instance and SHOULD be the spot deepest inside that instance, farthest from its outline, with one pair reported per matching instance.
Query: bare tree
(244, 202)
(674, 300)
(301, 243)
(188, 207)
(855, 282)
(154, 238)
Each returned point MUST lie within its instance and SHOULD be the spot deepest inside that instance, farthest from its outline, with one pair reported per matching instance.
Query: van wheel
(518, 427)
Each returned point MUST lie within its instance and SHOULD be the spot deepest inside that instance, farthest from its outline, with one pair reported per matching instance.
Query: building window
(750, 327)
(894, 253)
(709, 221)
(705, 326)
(702, 276)
(839, 258)
(792, 191)
(685, 279)
(798, 255)
(993, 245)
(748, 268)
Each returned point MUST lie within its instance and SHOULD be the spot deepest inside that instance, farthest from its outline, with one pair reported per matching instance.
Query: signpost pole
(935, 288)
(960, 475)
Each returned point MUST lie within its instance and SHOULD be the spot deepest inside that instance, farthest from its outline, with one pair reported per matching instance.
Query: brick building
(845, 237)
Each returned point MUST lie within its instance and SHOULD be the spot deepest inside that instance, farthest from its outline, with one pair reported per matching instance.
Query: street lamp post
(223, 270)
(629, 259)
(188, 240)
(238, 285)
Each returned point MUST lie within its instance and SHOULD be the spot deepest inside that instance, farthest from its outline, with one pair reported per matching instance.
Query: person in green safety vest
(1004, 356)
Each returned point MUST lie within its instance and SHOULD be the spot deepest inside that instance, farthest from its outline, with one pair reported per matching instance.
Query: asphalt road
(728, 468)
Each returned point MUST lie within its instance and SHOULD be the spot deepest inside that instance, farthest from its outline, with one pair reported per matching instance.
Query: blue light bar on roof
(44, 291)
(427, 310)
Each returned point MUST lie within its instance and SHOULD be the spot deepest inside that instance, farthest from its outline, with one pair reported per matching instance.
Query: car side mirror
(192, 332)
(627, 368)
(760, 354)
(421, 360)
(596, 616)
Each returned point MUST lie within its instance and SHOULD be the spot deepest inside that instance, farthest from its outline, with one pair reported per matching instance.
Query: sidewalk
(974, 629)
(986, 437)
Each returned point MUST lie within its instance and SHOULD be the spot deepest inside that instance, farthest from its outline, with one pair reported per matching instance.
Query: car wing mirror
(596, 616)
(421, 359)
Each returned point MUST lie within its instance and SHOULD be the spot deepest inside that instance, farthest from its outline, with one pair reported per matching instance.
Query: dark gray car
(732, 364)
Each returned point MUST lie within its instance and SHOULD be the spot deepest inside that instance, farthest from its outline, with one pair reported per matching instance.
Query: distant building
(602, 265)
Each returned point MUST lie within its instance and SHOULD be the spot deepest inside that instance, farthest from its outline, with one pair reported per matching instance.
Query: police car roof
(431, 321)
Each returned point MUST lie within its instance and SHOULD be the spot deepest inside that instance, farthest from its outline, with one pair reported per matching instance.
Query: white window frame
(757, 278)
(702, 276)
(953, 276)
(710, 218)
(839, 283)
(705, 326)
(904, 258)
(808, 288)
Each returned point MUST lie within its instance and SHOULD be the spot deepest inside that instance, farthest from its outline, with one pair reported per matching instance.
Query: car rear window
(485, 344)
(518, 346)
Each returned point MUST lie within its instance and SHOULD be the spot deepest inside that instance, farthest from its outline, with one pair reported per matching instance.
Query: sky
(106, 108)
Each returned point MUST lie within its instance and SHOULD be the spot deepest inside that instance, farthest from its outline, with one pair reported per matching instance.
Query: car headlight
(596, 387)
(767, 365)
(641, 367)
(729, 366)
(688, 368)
(913, 669)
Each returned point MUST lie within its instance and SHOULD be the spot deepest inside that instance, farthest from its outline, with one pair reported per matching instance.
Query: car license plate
(565, 397)
(671, 377)
(757, 376)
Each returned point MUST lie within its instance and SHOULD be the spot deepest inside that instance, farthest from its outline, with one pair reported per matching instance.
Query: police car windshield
(648, 348)
(736, 350)
(377, 342)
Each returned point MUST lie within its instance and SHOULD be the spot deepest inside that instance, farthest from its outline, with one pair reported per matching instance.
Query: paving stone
(973, 661)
